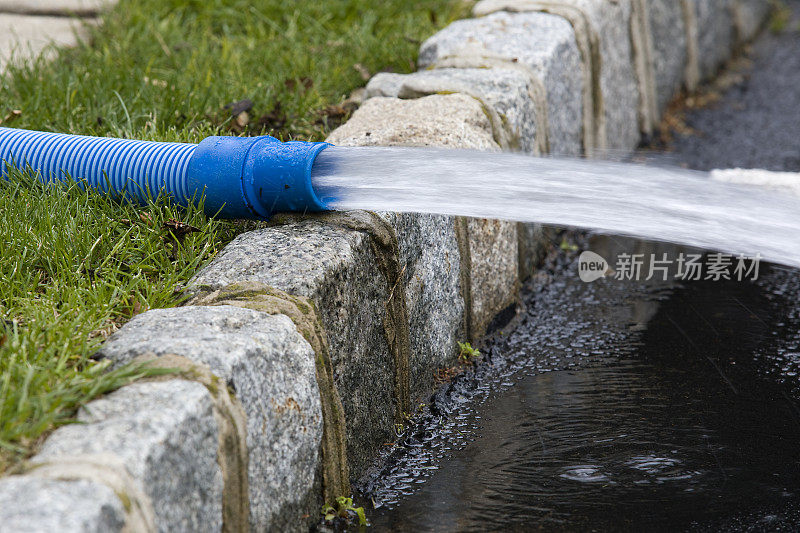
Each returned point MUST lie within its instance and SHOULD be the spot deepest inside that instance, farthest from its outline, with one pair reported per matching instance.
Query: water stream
(667, 204)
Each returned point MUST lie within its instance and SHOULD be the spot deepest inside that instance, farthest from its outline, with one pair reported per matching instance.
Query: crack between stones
(644, 65)
(465, 273)
(692, 72)
(261, 297)
(232, 454)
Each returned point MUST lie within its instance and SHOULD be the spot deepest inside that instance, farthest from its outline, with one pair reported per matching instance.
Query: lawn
(74, 265)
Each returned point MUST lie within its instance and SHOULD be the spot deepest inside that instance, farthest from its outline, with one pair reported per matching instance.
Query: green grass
(74, 265)
(164, 69)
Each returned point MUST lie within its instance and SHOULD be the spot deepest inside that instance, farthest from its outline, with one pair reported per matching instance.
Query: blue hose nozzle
(241, 177)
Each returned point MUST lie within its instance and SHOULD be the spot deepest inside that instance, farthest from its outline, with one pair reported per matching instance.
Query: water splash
(667, 204)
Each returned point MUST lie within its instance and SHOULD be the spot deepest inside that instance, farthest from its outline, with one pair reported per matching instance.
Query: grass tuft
(780, 18)
(75, 266)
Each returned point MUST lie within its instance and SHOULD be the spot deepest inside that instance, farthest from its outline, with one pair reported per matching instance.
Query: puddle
(614, 406)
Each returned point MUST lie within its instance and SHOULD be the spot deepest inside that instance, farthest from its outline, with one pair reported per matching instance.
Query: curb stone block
(713, 22)
(541, 46)
(494, 271)
(335, 268)
(452, 120)
(534, 240)
(430, 258)
(166, 437)
(270, 366)
(30, 504)
(669, 49)
(749, 17)
(506, 93)
(55, 7)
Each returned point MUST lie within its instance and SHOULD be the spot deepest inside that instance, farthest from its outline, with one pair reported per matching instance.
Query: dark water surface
(615, 406)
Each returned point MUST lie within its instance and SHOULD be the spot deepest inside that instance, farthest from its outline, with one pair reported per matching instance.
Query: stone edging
(29, 28)
(307, 341)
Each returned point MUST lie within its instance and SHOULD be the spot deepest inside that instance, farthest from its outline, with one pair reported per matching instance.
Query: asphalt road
(756, 122)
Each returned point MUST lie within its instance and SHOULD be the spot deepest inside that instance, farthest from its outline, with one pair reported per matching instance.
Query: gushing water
(673, 205)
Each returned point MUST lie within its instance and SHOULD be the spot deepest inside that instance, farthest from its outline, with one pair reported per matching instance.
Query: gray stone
(55, 7)
(24, 37)
(493, 271)
(430, 259)
(452, 120)
(534, 242)
(336, 268)
(540, 45)
(30, 504)
(618, 79)
(749, 17)
(668, 30)
(507, 93)
(166, 436)
(713, 20)
(270, 366)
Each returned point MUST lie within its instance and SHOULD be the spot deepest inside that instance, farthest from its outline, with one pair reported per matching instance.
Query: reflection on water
(689, 422)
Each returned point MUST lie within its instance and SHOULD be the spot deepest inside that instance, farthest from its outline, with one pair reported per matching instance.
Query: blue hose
(241, 177)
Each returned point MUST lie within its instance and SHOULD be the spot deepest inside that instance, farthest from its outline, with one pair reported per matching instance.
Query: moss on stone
(125, 499)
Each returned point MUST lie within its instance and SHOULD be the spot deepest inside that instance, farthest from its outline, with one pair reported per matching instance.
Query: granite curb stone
(30, 504)
(669, 53)
(506, 93)
(430, 258)
(449, 120)
(270, 366)
(540, 45)
(715, 34)
(165, 435)
(749, 17)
